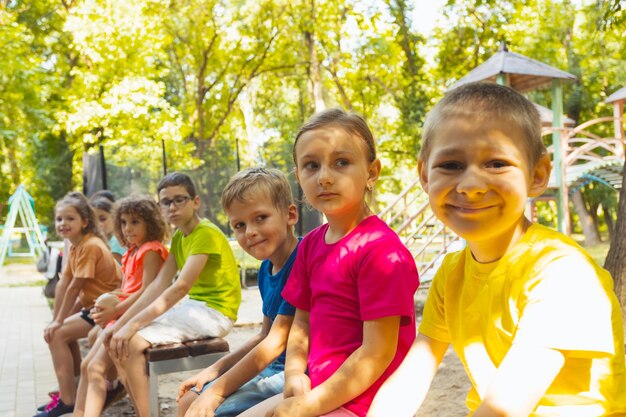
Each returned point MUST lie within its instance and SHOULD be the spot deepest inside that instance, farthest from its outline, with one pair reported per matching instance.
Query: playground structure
(579, 157)
(21, 206)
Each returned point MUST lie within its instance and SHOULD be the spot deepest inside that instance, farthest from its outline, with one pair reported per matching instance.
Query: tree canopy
(214, 80)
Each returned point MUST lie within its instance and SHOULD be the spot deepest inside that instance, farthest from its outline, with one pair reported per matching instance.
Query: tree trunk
(608, 219)
(315, 76)
(592, 237)
(616, 258)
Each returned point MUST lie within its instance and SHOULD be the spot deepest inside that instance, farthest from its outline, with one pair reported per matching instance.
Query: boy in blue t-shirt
(260, 209)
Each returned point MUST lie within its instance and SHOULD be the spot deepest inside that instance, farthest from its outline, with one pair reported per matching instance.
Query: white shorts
(187, 320)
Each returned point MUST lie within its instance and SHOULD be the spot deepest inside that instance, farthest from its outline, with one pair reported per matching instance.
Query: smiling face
(478, 180)
(334, 172)
(105, 221)
(261, 229)
(69, 224)
(134, 229)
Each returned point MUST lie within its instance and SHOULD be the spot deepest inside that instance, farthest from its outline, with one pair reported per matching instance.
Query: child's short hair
(258, 181)
(145, 208)
(80, 203)
(482, 100)
(174, 179)
(352, 123)
(102, 202)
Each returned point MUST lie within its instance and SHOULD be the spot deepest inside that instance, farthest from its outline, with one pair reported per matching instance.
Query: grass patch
(25, 260)
(38, 283)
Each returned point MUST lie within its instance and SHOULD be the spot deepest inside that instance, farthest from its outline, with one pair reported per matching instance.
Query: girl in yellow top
(532, 317)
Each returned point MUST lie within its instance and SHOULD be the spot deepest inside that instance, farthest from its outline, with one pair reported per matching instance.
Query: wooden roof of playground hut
(523, 73)
(546, 117)
(619, 95)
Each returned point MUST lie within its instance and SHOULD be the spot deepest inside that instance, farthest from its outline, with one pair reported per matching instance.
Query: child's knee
(185, 402)
(84, 366)
(96, 369)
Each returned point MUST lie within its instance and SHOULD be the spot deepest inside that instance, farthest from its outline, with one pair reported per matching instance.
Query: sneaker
(54, 399)
(58, 410)
(114, 395)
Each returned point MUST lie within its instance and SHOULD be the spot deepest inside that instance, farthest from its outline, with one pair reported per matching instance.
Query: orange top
(92, 261)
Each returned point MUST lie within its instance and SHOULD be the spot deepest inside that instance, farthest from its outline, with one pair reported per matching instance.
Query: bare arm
(151, 265)
(362, 368)
(64, 306)
(163, 301)
(403, 393)
(296, 380)
(521, 380)
(59, 294)
(250, 365)
(162, 281)
(71, 294)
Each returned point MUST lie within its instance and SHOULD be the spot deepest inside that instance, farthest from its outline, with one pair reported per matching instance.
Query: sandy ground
(446, 397)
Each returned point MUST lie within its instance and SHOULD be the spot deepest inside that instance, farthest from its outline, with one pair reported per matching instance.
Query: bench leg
(153, 382)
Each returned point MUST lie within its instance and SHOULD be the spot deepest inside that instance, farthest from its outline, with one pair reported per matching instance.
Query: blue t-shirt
(271, 287)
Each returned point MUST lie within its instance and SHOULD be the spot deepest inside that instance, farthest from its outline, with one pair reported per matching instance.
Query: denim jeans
(263, 386)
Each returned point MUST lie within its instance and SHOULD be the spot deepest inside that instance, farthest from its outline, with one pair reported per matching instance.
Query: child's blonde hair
(352, 123)
(145, 208)
(484, 100)
(258, 181)
(80, 203)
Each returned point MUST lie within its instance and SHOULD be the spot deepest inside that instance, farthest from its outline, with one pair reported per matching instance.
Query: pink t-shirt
(132, 265)
(369, 274)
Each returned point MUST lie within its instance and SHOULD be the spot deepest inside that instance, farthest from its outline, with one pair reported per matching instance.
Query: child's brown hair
(259, 181)
(482, 100)
(145, 208)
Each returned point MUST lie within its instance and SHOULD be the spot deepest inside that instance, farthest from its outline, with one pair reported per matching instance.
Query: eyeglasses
(178, 202)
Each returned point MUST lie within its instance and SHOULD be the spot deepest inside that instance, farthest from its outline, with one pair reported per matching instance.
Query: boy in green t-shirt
(202, 302)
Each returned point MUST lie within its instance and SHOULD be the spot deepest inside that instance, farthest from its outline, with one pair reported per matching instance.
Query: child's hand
(103, 314)
(50, 329)
(294, 406)
(118, 345)
(205, 405)
(107, 334)
(297, 384)
(198, 380)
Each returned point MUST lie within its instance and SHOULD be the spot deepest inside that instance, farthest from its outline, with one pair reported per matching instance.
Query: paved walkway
(26, 372)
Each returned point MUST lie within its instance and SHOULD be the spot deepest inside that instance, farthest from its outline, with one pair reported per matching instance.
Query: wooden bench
(178, 357)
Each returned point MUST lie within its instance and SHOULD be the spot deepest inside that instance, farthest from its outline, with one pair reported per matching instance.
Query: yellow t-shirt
(546, 291)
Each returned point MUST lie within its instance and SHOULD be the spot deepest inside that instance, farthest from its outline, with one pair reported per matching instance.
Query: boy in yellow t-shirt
(532, 317)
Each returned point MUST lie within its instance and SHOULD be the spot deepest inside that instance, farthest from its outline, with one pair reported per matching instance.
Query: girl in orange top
(139, 225)
(90, 271)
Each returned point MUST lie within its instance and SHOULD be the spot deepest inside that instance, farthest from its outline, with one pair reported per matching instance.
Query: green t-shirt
(218, 283)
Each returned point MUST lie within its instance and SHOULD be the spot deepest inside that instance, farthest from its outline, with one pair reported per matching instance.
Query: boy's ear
(422, 172)
(292, 215)
(540, 176)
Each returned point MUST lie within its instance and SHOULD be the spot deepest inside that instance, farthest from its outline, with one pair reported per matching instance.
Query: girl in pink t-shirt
(352, 282)
(139, 225)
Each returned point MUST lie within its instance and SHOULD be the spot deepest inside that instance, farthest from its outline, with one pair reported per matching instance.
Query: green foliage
(217, 79)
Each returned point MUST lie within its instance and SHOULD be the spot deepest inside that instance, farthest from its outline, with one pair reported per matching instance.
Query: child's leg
(185, 402)
(262, 408)
(340, 412)
(132, 372)
(81, 392)
(96, 389)
(63, 359)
